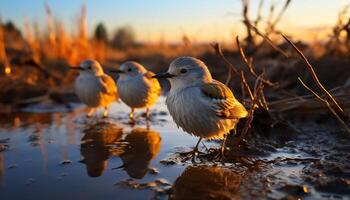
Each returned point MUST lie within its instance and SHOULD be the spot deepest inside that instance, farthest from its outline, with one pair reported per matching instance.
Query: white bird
(95, 88)
(200, 105)
(136, 87)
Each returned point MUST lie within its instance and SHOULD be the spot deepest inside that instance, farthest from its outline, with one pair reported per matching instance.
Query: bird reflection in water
(206, 182)
(143, 146)
(97, 146)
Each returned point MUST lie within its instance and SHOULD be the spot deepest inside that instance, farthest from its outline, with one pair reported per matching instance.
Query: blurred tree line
(122, 38)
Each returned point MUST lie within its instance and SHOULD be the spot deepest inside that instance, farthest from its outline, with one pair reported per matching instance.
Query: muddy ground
(62, 154)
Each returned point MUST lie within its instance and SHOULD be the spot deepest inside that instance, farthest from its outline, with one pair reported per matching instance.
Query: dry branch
(231, 68)
(327, 104)
(271, 22)
(259, 86)
(330, 99)
(257, 97)
(259, 16)
(217, 48)
(246, 86)
(246, 20)
(279, 16)
(249, 64)
(269, 41)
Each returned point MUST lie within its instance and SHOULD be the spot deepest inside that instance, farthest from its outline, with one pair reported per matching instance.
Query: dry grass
(56, 44)
(3, 56)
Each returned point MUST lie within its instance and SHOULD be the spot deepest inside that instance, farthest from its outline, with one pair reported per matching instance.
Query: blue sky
(205, 20)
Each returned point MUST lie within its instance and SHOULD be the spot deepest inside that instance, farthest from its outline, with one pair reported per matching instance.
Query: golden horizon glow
(168, 21)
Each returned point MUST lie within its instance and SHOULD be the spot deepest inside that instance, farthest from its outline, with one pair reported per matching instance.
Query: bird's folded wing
(108, 85)
(225, 103)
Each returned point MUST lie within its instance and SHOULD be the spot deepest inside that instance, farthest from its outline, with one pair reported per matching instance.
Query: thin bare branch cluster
(256, 96)
(339, 41)
(328, 99)
(271, 21)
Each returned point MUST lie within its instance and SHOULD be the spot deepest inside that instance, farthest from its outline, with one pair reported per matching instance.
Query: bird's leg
(105, 112)
(91, 112)
(131, 115)
(195, 150)
(148, 114)
(223, 146)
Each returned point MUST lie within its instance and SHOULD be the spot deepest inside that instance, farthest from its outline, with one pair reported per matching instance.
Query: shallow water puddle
(64, 155)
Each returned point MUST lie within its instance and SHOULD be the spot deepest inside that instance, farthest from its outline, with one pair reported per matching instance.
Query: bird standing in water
(95, 88)
(136, 87)
(200, 105)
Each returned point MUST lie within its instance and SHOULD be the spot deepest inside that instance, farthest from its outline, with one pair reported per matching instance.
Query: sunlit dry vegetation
(296, 94)
(45, 54)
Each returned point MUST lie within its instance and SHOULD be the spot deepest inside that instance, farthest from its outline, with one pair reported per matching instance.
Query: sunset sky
(204, 20)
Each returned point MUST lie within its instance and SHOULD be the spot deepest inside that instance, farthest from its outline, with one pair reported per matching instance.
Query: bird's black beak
(118, 71)
(163, 75)
(76, 68)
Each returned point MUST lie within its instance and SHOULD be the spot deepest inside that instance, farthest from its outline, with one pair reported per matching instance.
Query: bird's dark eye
(89, 67)
(129, 70)
(183, 71)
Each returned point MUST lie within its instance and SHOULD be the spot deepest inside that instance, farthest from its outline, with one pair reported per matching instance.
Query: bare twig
(279, 16)
(307, 102)
(311, 70)
(259, 16)
(246, 86)
(243, 94)
(327, 104)
(246, 20)
(249, 64)
(269, 41)
(272, 19)
(263, 101)
(231, 68)
(217, 48)
(257, 88)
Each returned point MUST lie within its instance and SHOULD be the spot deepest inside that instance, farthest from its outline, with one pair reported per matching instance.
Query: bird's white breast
(88, 90)
(137, 92)
(195, 113)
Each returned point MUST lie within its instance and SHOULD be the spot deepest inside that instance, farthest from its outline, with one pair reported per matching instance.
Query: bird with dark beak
(95, 88)
(136, 87)
(200, 105)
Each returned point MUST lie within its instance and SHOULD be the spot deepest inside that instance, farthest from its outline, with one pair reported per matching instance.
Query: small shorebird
(200, 105)
(136, 87)
(95, 88)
